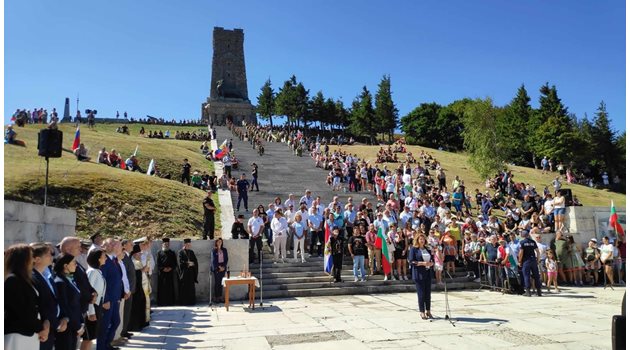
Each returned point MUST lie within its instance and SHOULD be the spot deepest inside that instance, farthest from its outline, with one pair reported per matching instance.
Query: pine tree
(285, 100)
(317, 106)
(363, 117)
(266, 102)
(604, 141)
(512, 127)
(386, 112)
(301, 103)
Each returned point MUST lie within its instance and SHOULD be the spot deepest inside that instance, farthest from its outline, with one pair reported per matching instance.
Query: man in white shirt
(314, 224)
(279, 227)
(307, 198)
(442, 210)
(290, 201)
(405, 215)
(255, 226)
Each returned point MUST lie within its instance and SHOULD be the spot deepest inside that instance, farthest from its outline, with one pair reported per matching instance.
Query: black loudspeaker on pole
(49, 143)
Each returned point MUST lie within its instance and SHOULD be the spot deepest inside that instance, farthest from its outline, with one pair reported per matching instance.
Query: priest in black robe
(188, 270)
(167, 265)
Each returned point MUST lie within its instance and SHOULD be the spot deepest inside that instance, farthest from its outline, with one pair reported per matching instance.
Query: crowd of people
(78, 291)
(22, 117)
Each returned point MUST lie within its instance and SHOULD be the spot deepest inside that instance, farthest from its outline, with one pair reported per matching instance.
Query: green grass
(457, 164)
(109, 200)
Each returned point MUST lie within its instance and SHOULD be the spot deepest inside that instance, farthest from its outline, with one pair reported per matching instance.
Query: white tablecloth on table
(241, 279)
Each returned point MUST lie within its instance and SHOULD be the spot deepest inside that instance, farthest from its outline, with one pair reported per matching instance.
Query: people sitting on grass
(132, 164)
(82, 153)
(103, 157)
(9, 135)
(123, 129)
(114, 159)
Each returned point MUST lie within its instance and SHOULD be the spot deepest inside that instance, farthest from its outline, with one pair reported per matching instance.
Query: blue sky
(154, 57)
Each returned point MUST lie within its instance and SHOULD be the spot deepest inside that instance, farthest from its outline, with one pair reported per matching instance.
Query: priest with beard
(188, 270)
(167, 265)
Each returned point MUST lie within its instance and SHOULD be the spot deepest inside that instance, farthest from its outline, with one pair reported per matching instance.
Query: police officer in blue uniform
(528, 260)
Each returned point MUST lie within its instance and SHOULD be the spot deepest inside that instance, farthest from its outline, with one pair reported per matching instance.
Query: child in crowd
(439, 264)
(552, 270)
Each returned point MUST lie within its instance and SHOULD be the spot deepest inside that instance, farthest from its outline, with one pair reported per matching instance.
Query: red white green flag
(386, 260)
(614, 220)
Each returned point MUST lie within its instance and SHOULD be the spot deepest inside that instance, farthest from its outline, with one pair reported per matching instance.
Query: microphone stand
(447, 308)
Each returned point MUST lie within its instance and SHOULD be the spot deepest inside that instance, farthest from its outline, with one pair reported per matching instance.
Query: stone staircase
(284, 280)
(281, 173)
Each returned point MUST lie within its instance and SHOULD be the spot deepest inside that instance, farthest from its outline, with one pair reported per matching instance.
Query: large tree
(556, 136)
(512, 127)
(363, 118)
(266, 102)
(385, 112)
(449, 125)
(419, 125)
(285, 100)
(318, 108)
(604, 141)
(481, 138)
(301, 103)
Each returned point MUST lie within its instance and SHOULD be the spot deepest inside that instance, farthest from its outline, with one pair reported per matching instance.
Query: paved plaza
(576, 318)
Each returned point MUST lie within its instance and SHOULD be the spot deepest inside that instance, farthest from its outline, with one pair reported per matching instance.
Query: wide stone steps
(352, 288)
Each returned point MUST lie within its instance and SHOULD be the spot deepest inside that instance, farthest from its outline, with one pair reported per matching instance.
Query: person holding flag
(386, 247)
(614, 221)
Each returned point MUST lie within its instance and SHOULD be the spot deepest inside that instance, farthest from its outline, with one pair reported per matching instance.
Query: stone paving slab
(483, 320)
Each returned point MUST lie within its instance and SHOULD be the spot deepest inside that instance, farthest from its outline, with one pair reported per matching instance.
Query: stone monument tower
(228, 98)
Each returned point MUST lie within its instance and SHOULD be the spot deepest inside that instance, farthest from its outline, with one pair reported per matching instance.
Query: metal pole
(46, 187)
(261, 276)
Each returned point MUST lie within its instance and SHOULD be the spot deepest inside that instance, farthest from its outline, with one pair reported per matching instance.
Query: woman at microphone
(421, 261)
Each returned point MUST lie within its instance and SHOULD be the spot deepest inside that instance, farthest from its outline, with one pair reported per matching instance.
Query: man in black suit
(47, 302)
(72, 245)
(112, 273)
(131, 276)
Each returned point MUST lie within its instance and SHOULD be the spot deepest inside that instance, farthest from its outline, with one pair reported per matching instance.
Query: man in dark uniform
(208, 216)
(242, 186)
(238, 229)
(254, 176)
(336, 246)
(186, 172)
(188, 270)
(528, 260)
(167, 264)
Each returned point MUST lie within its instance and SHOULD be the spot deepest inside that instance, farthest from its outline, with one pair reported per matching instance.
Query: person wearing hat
(528, 260)
(242, 185)
(137, 320)
(188, 271)
(97, 241)
(167, 264)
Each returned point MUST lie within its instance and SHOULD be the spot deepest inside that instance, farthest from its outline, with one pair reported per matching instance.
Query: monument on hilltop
(228, 100)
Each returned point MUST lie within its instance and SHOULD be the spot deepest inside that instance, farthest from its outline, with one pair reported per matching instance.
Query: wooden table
(251, 282)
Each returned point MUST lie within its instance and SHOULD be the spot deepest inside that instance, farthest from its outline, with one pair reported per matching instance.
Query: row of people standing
(58, 296)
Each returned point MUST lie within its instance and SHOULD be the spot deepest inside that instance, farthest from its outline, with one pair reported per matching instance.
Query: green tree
(481, 139)
(512, 127)
(419, 125)
(449, 125)
(604, 141)
(556, 136)
(341, 116)
(285, 100)
(363, 117)
(318, 108)
(301, 104)
(385, 112)
(330, 112)
(266, 102)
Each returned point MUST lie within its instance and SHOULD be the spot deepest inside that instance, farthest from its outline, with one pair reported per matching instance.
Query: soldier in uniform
(208, 216)
(167, 265)
(188, 270)
(528, 260)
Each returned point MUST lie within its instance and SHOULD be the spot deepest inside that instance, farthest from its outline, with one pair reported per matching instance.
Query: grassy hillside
(110, 200)
(457, 164)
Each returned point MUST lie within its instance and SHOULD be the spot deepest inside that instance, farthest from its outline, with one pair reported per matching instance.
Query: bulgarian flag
(328, 262)
(77, 139)
(381, 242)
(614, 220)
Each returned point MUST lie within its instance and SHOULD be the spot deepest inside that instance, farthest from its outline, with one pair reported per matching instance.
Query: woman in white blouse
(95, 259)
